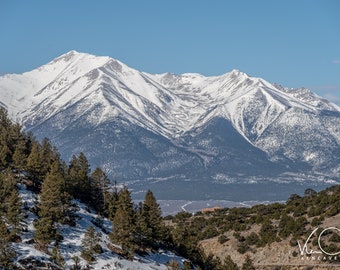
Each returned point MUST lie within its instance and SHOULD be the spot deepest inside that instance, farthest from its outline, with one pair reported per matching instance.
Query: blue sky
(293, 43)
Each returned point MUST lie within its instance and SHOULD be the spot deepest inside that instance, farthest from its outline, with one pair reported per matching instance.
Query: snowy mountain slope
(28, 256)
(142, 127)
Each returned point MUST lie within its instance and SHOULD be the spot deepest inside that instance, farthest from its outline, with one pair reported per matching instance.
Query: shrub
(252, 239)
(243, 248)
(222, 239)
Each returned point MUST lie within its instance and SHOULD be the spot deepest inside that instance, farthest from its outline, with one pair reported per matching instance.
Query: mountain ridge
(122, 113)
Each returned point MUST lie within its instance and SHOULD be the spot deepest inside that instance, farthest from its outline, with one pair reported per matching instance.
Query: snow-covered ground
(70, 246)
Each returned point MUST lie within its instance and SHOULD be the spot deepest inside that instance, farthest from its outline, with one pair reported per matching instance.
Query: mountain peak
(80, 90)
(74, 55)
(67, 56)
(72, 52)
(235, 73)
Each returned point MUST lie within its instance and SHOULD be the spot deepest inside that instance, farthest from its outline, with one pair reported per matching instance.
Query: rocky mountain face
(184, 136)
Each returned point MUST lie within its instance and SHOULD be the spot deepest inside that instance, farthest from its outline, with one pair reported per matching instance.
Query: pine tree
(78, 178)
(14, 214)
(248, 264)
(18, 147)
(267, 233)
(99, 190)
(112, 202)
(123, 232)
(90, 244)
(150, 223)
(212, 262)
(56, 256)
(76, 265)
(45, 231)
(5, 151)
(7, 254)
(49, 155)
(20, 155)
(7, 185)
(54, 201)
(34, 164)
(11, 137)
(229, 264)
(53, 207)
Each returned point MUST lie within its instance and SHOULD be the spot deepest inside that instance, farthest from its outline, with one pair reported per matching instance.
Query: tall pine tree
(14, 214)
(45, 231)
(100, 191)
(123, 231)
(20, 154)
(79, 181)
(7, 253)
(150, 223)
(7, 185)
(54, 200)
(49, 155)
(5, 147)
(53, 207)
(34, 164)
(112, 201)
(90, 244)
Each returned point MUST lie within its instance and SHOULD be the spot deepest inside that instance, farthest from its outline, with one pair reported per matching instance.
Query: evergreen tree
(7, 185)
(229, 264)
(49, 155)
(30, 139)
(5, 151)
(14, 214)
(90, 244)
(56, 256)
(12, 141)
(112, 202)
(45, 231)
(7, 254)
(54, 200)
(53, 207)
(309, 192)
(100, 190)
(18, 147)
(267, 233)
(78, 178)
(76, 265)
(212, 263)
(123, 232)
(20, 155)
(34, 164)
(248, 264)
(286, 225)
(150, 223)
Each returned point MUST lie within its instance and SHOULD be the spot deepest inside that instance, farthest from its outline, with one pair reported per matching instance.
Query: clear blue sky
(291, 42)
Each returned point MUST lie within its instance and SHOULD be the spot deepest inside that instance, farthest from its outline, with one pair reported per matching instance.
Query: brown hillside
(278, 255)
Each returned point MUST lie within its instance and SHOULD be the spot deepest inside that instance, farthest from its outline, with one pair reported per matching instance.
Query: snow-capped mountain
(176, 132)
